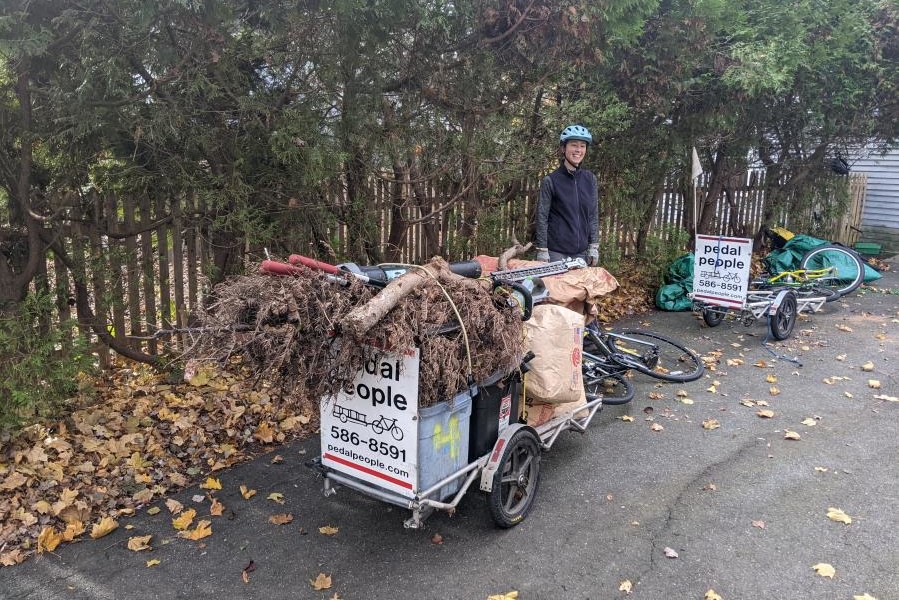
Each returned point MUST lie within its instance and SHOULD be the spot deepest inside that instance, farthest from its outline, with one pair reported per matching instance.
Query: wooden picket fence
(150, 272)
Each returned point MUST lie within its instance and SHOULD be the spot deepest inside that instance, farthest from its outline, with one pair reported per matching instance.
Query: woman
(568, 208)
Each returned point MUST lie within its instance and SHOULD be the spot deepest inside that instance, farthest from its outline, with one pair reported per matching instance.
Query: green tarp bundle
(678, 283)
(788, 257)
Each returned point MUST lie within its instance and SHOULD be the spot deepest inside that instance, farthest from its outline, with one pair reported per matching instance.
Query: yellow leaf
(211, 484)
(747, 402)
(841, 357)
(760, 363)
(153, 562)
(809, 422)
(183, 521)
(734, 362)
(12, 558)
(140, 542)
(874, 384)
(711, 389)
(845, 328)
(824, 570)
(711, 424)
(681, 393)
(154, 510)
(73, 530)
(791, 435)
(765, 413)
(513, 595)
(48, 540)
(828, 380)
(328, 530)
(864, 596)
(246, 492)
(626, 586)
(868, 366)
(771, 378)
(203, 529)
(848, 395)
(712, 595)
(174, 506)
(626, 418)
(106, 526)
(281, 519)
(686, 401)
(322, 582)
(773, 390)
(276, 497)
(264, 433)
(835, 514)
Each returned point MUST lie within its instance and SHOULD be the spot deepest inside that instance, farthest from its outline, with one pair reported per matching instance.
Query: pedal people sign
(369, 429)
(721, 270)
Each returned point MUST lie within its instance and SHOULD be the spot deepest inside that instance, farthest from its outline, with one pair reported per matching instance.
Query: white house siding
(880, 218)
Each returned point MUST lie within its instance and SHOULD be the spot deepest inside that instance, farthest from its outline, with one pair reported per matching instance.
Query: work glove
(593, 255)
(543, 254)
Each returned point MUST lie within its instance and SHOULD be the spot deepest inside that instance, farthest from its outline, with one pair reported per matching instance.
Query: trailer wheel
(516, 480)
(781, 323)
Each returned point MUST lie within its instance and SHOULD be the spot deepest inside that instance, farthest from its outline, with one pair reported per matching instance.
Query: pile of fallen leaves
(72, 478)
(287, 329)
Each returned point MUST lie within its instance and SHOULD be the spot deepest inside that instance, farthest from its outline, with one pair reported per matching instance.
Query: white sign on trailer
(370, 430)
(721, 270)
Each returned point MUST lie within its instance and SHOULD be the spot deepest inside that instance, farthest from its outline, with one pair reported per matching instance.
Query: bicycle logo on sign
(379, 425)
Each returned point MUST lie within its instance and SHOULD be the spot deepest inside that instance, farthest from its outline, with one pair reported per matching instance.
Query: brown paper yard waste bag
(555, 334)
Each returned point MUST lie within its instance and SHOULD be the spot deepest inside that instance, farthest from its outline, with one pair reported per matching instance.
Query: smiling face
(575, 150)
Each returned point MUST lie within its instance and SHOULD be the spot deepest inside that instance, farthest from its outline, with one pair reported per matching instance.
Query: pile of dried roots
(289, 329)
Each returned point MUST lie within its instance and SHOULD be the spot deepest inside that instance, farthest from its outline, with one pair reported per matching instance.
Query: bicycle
(607, 358)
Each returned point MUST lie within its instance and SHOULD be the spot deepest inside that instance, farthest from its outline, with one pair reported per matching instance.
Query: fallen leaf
(656, 395)
(868, 366)
(174, 506)
(841, 357)
(791, 435)
(711, 424)
(864, 596)
(246, 492)
(626, 418)
(809, 422)
(513, 595)
(106, 526)
(73, 530)
(670, 552)
(681, 393)
(153, 562)
(656, 427)
(848, 395)
(759, 524)
(281, 519)
(761, 403)
(626, 586)
(154, 510)
(887, 398)
(710, 487)
(712, 595)
(211, 483)
(140, 542)
(712, 389)
(203, 529)
(245, 574)
(824, 570)
(773, 390)
(328, 530)
(183, 521)
(217, 508)
(322, 582)
(747, 402)
(765, 413)
(771, 378)
(874, 384)
(277, 459)
(845, 328)
(437, 539)
(198, 498)
(48, 540)
(734, 362)
(276, 497)
(835, 514)
(821, 469)
(686, 401)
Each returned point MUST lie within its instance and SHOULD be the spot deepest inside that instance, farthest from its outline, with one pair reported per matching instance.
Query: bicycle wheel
(655, 355)
(811, 291)
(713, 315)
(781, 323)
(850, 270)
(613, 388)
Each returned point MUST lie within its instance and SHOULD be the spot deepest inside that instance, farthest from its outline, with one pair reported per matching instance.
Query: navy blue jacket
(568, 211)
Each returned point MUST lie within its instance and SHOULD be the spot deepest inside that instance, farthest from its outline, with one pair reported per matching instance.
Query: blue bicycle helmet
(576, 132)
